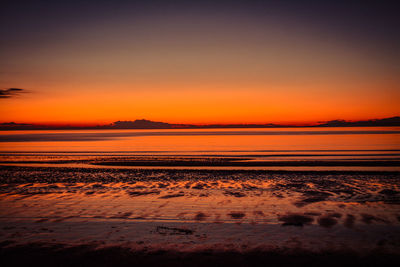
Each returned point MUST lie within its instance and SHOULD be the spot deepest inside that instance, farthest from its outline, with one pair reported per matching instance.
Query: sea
(311, 148)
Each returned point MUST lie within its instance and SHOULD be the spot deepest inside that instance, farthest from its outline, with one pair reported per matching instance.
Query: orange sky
(206, 69)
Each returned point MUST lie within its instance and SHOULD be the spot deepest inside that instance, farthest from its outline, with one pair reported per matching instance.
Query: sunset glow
(199, 64)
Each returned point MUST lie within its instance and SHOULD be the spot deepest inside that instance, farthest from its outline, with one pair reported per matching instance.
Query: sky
(200, 62)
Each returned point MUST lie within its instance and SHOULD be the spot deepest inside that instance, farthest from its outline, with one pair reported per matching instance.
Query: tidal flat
(199, 217)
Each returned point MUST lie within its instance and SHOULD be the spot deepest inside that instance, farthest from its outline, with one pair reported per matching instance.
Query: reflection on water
(289, 148)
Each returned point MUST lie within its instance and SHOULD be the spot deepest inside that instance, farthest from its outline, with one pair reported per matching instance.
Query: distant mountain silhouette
(140, 124)
(13, 124)
(16, 126)
(147, 124)
(393, 121)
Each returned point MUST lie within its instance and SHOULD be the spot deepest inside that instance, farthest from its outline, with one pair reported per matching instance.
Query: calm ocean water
(379, 147)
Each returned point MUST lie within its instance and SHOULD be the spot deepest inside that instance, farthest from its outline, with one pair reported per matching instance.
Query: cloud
(10, 92)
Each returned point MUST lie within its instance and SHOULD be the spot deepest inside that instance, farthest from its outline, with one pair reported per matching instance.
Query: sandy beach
(199, 216)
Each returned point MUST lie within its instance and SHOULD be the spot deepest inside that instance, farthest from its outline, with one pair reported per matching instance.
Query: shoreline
(159, 217)
(211, 171)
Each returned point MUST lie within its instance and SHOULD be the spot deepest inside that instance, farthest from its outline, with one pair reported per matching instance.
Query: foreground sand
(174, 217)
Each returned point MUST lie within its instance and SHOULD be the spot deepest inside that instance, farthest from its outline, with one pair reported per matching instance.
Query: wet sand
(199, 217)
(298, 161)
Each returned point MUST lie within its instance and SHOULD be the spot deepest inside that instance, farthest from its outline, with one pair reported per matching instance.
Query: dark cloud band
(10, 92)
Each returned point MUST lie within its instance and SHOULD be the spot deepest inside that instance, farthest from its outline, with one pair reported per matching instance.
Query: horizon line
(145, 124)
